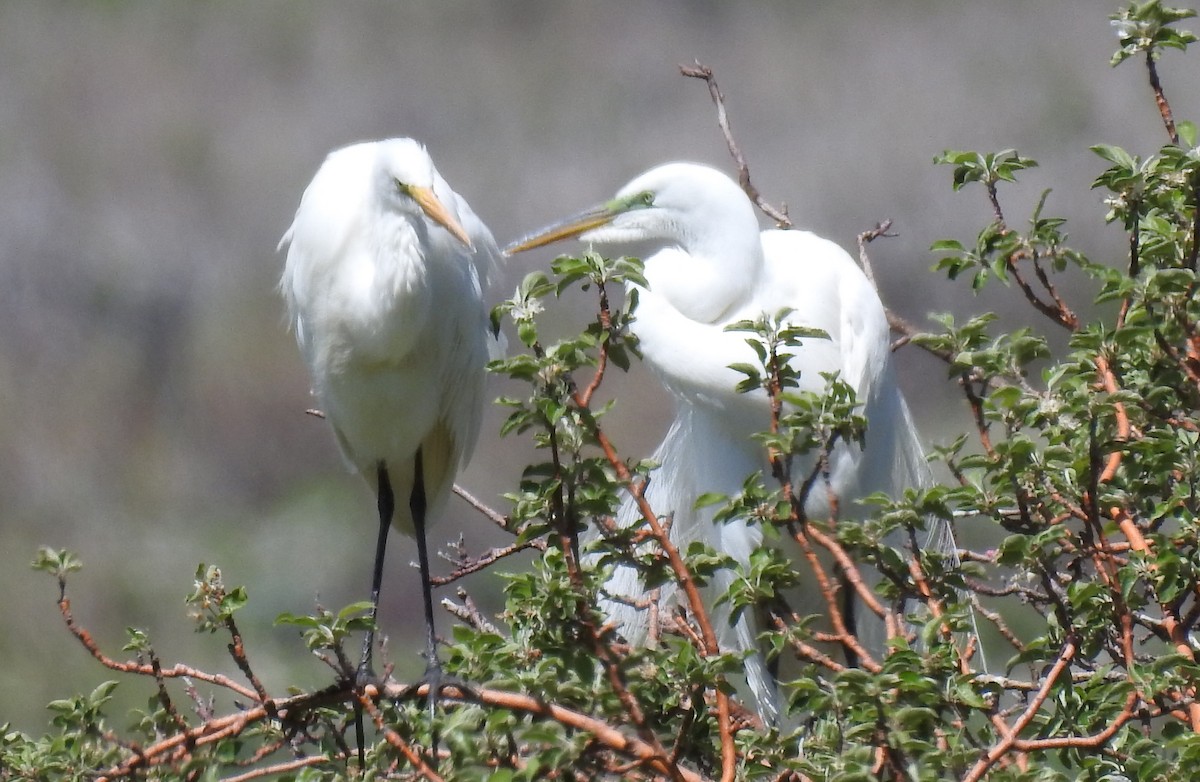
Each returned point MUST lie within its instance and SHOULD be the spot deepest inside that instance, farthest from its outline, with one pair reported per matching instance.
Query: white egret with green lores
(708, 266)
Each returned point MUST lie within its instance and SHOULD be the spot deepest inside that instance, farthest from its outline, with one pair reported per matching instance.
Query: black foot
(365, 675)
(438, 683)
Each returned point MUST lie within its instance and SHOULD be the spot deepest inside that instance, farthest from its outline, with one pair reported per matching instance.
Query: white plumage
(384, 282)
(711, 267)
(387, 305)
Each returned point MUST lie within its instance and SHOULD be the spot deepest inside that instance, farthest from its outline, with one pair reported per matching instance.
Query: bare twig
(1058, 311)
(905, 328)
(237, 650)
(469, 612)
(279, 768)
(465, 566)
(698, 71)
(497, 518)
(865, 238)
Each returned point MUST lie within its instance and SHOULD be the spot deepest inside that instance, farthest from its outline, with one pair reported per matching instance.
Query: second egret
(709, 267)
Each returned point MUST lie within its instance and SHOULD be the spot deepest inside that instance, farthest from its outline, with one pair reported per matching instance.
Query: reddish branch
(799, 528)
(563, 513)
(237, 650)
(1008, 742)
(1056, 309)
(1160, 98)
(604, 315)
(1175, 630)
(687, 585)
(176, 747)
(395, 739)
(146, 669)
(1109, 382)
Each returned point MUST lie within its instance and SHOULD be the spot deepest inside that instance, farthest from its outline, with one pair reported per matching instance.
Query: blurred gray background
(151, 155)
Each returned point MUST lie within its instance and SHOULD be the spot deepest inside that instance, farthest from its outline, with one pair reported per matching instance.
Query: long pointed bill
(566, 229)
(438, 213)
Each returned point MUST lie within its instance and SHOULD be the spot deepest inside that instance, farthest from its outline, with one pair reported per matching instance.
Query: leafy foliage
(1082, 466)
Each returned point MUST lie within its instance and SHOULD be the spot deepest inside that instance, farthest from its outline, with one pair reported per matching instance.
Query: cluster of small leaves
(807, 423)
(986, 167)
(56, 562)
(998, 248)
(1146, 29)
(559, 423)
(848, 713)
(554, 644)
(325, 631)
(211, 604)
(79, 742)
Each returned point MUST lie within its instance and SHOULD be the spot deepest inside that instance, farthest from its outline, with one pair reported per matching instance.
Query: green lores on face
(642, 200)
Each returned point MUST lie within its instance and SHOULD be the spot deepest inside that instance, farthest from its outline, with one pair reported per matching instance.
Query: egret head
(407, 182)
(684, 204)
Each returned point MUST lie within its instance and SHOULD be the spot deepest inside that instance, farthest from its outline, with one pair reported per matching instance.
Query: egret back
(709, 447)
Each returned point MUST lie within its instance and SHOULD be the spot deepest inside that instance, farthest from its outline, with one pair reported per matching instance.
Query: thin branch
(279, 768)
(1194, 249)
(604, 733)
(897, 323)
(698, 71)
(1160, 98)
(133, 666)
(466, 565)
(237, 650)
(1081, 742)
(1058, 311)
(469, 612)
(497, 518)
(1005, 745)
(397, 741)
(604, 317)
(865, 238)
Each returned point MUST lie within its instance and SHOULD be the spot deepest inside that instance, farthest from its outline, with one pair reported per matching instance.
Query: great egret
(710, 267)
(384, 281)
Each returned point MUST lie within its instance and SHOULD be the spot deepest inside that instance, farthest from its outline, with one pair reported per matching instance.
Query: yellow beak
(566, 229)
(438, 213)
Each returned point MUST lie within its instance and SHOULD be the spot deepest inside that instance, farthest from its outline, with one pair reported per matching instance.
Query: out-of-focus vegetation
(152, 153)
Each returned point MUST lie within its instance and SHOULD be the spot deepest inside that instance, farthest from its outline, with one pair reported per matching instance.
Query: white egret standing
(710, 267)
(384, 281)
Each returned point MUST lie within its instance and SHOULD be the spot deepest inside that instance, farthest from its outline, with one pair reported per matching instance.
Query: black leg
(386, 509)
(366, 672)
(433, 666)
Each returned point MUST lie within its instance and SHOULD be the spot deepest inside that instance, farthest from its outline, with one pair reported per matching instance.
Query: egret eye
(644, 198)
